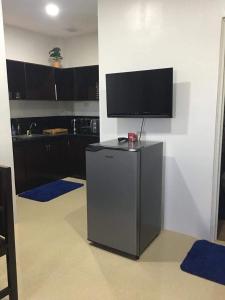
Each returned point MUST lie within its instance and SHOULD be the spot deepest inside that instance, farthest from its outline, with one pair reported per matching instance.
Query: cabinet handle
(56, 93)
(97, 91)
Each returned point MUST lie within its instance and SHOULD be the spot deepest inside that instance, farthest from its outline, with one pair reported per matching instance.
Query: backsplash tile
(82, 123)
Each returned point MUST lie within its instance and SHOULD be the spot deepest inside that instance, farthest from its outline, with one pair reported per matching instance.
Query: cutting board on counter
(55, 131)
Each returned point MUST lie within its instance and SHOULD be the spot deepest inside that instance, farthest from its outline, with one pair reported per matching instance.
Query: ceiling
(76, 17)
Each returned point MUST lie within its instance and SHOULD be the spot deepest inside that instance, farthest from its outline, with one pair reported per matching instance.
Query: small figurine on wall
(55, 57)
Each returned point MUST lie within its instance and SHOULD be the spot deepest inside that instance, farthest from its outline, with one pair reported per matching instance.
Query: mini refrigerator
(124, 194)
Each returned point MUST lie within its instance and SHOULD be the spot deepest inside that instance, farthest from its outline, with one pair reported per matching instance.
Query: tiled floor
(55, 261)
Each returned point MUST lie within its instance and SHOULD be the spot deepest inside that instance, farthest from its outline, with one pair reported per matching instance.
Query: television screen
(140, 94)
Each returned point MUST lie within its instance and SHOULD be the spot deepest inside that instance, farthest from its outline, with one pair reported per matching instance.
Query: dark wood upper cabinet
(40, 82)
(64, 79)
(80, 83)
(86, 83)
(16, 79)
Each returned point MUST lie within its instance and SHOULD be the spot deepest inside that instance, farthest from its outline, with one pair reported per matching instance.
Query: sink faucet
(73, 122)
(31, 125)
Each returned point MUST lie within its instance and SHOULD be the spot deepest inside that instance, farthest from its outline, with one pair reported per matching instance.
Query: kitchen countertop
(34, 137)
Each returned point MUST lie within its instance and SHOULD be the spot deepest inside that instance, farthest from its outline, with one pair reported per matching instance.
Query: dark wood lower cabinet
(57, 158)
(74, 158)
(77, 162)
(19, 166)
(35, 163)
(40, 161)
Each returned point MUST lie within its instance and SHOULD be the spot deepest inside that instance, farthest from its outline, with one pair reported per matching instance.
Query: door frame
(218, 137)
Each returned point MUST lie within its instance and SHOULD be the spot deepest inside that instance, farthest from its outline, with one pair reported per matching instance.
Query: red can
(132, 137)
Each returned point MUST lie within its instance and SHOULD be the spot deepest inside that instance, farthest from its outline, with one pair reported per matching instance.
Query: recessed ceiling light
(52, 9)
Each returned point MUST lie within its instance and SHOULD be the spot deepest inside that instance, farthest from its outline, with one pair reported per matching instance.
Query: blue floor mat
(206, 260)
(51, 190)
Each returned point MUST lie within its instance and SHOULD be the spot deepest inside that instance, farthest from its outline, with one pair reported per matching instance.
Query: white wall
(81, 50)
(86, 108)
(185, 35)
(29, 46)
(22, 109)
(6, 154)
(33, 47)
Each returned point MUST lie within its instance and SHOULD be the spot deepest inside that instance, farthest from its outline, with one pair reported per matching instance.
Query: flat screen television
(140, 94)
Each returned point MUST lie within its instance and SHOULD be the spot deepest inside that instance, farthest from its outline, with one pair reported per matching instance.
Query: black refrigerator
(124, 194)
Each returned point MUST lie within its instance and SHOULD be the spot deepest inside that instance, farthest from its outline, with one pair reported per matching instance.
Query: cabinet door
(41, 161)
(86, 82)
(76, 155)
(64, 84)
(57, 158)
(63, 159)
(16, 79)
(93, 87)
(40, 82)
(20, 167)
(46, 161)
(36, 162)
